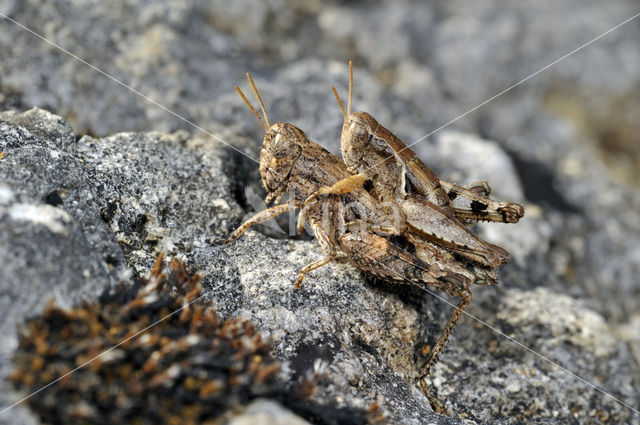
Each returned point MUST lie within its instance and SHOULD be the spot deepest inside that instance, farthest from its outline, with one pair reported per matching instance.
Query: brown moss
(187, 368)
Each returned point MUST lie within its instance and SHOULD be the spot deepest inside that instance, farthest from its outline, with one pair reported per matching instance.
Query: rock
(78, 247)
(268, 413)
(53, 246)
(367, 333)
(507, 380)
(563, 142)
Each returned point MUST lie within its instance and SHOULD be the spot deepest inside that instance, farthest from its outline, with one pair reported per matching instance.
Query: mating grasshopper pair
(382, 207)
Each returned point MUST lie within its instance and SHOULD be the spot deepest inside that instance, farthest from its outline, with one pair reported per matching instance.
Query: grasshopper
(346, 218)
(433, 224)
(397, 175)
(289, 161)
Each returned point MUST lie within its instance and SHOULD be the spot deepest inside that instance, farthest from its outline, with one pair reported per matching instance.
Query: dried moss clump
(188, 368)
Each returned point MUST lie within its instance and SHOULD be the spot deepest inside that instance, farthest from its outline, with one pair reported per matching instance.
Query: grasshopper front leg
(482, 208)
(268, 214)
(258, 218)
(345, 185)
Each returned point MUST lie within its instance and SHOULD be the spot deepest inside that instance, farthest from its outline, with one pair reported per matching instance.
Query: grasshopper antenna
(255, 91)
(252, 108)
(335, 93)
(350, 87)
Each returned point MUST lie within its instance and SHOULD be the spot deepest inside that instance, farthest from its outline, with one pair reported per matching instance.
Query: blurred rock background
(564, 143)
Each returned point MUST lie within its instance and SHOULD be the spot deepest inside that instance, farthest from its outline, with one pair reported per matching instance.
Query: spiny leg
(310, 267)
(327, 249)
(465, 294)
(258, 218)
(447, 232)
(472, 191)
(509, 213)
(479, 187)
(482, 208)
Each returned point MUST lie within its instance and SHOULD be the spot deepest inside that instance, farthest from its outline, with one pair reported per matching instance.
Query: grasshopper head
(357, 131)
(281, 148)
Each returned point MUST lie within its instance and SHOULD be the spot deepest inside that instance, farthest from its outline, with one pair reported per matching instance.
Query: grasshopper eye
(359, 134)
(358, 130)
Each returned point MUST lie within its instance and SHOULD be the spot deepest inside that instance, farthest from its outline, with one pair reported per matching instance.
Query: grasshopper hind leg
(480, 207)
(465, 296)
(381, 258)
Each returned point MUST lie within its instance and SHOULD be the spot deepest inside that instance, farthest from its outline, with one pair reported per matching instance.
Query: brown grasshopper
(397, 175)
(291, 162)
(433, 223)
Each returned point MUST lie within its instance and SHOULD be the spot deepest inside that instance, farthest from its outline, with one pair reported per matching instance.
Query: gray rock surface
(52, 249)
(367, 333)
(268, 413)
(79, 213)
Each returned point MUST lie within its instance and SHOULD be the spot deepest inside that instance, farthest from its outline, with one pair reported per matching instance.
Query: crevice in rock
(538, 184)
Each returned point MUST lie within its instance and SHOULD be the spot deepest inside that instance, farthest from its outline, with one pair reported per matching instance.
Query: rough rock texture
(367, 333)
(79, 213)
(268, 413)
(51, 248)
